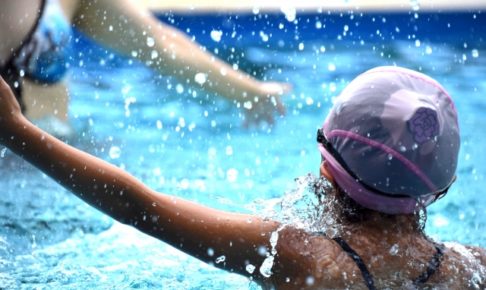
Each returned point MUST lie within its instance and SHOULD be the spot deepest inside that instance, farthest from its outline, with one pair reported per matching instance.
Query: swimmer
(389, 148)
(36, 50)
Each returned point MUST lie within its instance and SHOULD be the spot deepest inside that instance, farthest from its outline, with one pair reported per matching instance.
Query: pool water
(183, 141)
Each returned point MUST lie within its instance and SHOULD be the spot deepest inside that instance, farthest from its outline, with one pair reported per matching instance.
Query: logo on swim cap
(424, 125)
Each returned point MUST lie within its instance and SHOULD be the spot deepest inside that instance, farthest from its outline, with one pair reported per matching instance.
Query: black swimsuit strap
(359, 262)
(9, 71)
(29, 35)
(433, 265)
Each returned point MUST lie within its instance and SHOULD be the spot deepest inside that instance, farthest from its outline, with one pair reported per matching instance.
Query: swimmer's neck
(378, 224)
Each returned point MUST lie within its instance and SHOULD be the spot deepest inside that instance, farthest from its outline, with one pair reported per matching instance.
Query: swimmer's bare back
(394, 261)
(298, 260)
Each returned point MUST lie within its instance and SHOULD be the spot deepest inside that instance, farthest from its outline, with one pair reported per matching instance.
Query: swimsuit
(44, 54)
(432, 266)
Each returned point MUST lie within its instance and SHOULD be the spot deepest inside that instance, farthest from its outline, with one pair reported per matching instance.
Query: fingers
(3, 84)
(279, 106)
(286, 88)
(5, 88)
(274, 91)
(8, 103)
(262, 111)
(269, 102)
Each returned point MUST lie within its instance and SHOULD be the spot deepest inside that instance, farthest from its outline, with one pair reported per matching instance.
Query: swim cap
(391, 140)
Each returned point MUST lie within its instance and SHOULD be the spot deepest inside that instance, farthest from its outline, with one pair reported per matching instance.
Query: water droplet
(181, 122)
(229, 150)
(475, 53)
(184, 184)
(394, 250)
(264, 36)
(250, 268)
(309, 281)
(266, 267)
(150, 42)
(128, 102)
(200, 78)
(309, 101)
(210, 252)
(216, 35)
(114, 152)
(159, 125)
(440, 221)
(262, 251)
(179, 88)
(2, 152)
(154, 54)
(220, 259)
(247, 105)
(331, 67)
(232, 175)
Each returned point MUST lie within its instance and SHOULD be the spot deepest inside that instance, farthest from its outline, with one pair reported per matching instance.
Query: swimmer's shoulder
(307, 259)
(479, 253)
(462, 267)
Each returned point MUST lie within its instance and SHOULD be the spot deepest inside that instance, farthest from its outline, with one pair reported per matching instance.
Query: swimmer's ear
(324, 171)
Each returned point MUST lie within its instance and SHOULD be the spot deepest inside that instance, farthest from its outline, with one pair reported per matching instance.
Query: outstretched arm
(202, 232)
(127, 27)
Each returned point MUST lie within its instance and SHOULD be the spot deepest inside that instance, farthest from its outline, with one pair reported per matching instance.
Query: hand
(263, 106)
(9, 107)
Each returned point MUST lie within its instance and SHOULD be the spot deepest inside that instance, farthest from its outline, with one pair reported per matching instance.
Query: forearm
(135, 32)
(97, 182)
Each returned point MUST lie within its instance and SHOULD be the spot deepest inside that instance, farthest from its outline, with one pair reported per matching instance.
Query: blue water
(191, 144)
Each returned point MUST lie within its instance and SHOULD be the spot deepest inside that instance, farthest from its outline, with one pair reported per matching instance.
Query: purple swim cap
(391, 140)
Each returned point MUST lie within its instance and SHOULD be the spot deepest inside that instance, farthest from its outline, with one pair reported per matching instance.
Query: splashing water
(303, 206)
(266, 267)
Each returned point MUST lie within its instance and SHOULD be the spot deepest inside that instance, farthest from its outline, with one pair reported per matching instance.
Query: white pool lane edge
(195, 6)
